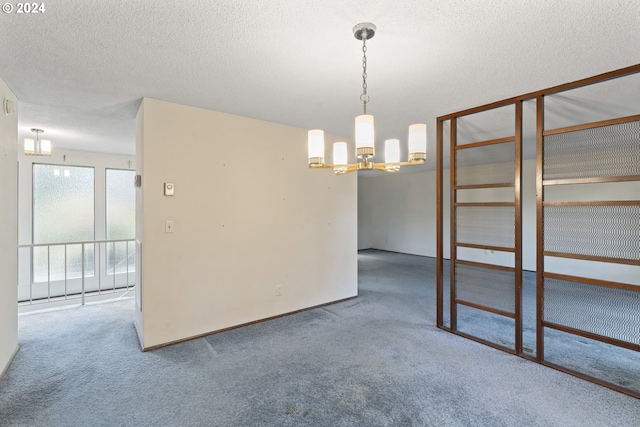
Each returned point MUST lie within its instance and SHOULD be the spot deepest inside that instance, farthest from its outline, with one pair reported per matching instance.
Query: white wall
(8, 233)
(402, 219)
(249, 215)
(364, 212)
(402, 212)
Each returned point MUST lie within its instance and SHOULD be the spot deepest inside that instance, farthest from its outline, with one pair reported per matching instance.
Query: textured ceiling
(80, 69)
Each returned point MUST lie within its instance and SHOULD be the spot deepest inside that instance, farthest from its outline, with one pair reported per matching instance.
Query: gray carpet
(377, 360)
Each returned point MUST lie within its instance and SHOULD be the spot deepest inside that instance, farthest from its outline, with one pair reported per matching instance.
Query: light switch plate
(168, 188)
(168, 226)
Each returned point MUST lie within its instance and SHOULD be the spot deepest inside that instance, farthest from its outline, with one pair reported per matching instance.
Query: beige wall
(8, 231)
(248, 216)
(138, 318)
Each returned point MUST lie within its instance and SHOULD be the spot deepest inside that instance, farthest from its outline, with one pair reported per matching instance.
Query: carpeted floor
(377, 360)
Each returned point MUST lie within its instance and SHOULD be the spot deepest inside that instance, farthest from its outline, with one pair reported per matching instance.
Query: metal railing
(75, 270)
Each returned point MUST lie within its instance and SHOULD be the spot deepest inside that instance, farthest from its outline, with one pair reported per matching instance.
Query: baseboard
(4, 370)
(395, 252)
(153, 347)
(424, 256)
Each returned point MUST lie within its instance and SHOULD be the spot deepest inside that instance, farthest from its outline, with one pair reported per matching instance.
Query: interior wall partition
(587, 297)
(485, 255)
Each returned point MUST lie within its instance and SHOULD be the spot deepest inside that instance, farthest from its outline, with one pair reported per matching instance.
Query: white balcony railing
(75, 270)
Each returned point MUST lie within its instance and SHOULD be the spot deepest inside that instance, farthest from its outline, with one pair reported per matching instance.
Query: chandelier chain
(364, 97)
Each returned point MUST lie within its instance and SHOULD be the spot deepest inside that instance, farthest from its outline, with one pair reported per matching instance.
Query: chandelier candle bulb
(417, 142)
(29, 147)
(392, 151)
(340, 157)
(392, 155)
(316, 147)
(364, 136)
(45, 146)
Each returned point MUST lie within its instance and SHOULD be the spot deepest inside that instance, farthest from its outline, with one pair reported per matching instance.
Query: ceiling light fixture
(365, 147)
(37, 147)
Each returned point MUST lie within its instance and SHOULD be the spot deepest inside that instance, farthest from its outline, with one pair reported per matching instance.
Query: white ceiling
(80, 68)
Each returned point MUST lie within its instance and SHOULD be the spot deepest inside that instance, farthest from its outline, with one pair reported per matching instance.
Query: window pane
(63, 211)
(121, 204)
(121, 220)
(62, 204)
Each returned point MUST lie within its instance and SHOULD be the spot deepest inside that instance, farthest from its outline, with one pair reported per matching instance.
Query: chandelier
(365, 147)
(37, 147)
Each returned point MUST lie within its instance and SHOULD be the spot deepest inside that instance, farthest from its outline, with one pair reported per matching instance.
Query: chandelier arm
(413, 162)
(352, 167)
(380, 167)
(349, 167)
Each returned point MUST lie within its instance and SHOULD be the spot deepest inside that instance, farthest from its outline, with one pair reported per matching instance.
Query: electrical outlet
(279, 290)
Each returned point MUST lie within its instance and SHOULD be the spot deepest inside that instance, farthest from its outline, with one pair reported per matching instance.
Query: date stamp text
(22, 8)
